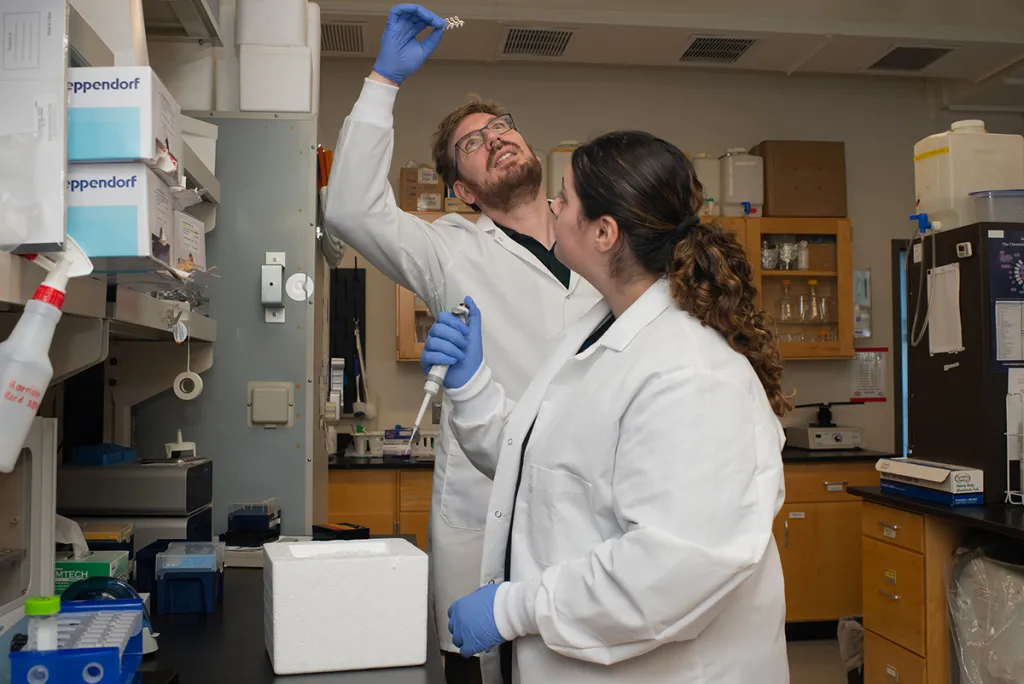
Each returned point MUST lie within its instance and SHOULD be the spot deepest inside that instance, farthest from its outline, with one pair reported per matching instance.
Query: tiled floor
(815, 662)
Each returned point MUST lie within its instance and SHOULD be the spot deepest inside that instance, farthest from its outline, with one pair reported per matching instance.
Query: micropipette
(435, 379)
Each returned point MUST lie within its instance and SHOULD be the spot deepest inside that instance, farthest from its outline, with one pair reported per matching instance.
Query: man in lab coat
(504, 259)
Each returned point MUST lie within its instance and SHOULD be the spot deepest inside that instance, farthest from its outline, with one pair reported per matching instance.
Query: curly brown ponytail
(651, 190)
(711, 279)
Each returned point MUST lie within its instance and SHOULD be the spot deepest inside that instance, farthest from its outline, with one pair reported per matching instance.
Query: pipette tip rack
(99, 642)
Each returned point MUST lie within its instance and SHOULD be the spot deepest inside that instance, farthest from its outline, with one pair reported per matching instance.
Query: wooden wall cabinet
(388, 502)
(828, 335)
(803, 332)
(818, 534)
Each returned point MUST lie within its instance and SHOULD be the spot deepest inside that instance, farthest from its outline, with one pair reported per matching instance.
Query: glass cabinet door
(806, 274)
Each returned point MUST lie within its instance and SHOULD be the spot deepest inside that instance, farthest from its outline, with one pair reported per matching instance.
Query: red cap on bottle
(49, 295)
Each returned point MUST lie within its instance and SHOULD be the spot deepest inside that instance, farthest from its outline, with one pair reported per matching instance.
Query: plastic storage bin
(709, 173)
(558, 162)
(998, 206)
(742, 183)
(949, 166)
(189, 577)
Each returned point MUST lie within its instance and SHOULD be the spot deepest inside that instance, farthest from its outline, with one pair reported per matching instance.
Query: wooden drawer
(894, 594)
(894, 526)
(827, 482)
(414, 490)
(887, 663)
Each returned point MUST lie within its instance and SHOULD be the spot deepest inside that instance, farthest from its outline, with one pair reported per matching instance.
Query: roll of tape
(188, 385)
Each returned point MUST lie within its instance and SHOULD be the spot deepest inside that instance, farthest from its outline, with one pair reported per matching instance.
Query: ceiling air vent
(909, 58)
(716, 49)
(536, 42)
(342, 38)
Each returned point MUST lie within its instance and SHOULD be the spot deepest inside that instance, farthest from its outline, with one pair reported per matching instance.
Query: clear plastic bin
(190, 557)
(998, 206)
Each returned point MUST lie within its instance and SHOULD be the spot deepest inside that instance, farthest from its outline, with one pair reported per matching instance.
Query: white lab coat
(642, 548)
(527, 307)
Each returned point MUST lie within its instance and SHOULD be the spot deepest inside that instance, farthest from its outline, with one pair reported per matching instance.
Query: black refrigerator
(959, 383)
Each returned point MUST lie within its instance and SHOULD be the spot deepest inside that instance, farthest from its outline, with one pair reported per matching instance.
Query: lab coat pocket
(561, 525)
(466, 492)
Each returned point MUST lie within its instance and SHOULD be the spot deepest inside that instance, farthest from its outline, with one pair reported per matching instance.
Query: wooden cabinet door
(414, 523)
(364, 497)
(412, 321)
(820, 551)
(797, 541)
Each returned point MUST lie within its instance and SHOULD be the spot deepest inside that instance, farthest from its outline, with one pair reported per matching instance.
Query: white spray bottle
(25, 369)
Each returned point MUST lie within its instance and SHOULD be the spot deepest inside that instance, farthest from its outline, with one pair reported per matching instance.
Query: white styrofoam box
(118, 114)
(120, 214)
(345, 605)
(202, 138)
(275, 23)
(226, 60)
(188, 251)
(313, 41)
(275, 79)
(187, 70)
(32, 124)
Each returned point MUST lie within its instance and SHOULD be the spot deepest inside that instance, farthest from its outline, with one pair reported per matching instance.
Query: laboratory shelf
(139, 316)
(800, 274)
(85, 47)
(201, 176)
(182, 21)
(19, 279)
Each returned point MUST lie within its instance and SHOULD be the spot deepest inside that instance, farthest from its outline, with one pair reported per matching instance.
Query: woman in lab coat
(629, 535)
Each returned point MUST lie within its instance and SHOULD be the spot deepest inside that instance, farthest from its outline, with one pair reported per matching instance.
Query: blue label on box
(933, 495)
(104, 134)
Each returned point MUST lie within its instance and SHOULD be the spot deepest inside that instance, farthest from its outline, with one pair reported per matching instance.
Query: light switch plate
(271, 404)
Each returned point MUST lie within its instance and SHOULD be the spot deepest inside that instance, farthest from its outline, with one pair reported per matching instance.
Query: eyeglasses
(474, 140)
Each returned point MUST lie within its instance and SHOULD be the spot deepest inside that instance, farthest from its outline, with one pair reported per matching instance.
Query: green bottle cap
(42, 605)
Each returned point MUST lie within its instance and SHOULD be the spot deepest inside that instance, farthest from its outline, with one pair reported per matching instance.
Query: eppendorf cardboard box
(941, 477)
(68, 570)
(421, 189)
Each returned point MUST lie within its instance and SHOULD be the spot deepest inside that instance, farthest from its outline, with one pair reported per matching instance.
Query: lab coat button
(510, 442)
(497, 514)
(490, 581)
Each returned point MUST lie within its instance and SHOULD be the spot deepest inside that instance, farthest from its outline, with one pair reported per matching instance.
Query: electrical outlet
(435, 412)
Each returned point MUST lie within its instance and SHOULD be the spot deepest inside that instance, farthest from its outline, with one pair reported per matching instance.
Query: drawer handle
(837, 486)
(785, 542)
(892, 673)
(893, 597)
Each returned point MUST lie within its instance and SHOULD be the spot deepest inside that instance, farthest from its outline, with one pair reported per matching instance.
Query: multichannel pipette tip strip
(454, 23)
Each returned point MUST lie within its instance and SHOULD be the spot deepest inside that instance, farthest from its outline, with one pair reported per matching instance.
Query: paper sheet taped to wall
(945, 334)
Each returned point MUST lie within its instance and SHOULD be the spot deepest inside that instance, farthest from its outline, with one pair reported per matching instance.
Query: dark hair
(651, 190)
(441, 144)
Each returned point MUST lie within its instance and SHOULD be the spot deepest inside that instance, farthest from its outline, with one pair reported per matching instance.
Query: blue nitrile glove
(455, 344)
(471, 622)
(400, 53)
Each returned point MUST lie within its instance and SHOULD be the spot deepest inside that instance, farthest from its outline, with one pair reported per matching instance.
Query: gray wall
(267, 170)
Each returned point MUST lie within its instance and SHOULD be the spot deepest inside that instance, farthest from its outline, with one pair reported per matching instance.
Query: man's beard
(517, 186)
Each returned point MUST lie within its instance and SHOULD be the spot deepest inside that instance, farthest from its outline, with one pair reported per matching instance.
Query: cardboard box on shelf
(189, 248)
(122, 114)
(421, 189)
(121, 215)
(803, 178)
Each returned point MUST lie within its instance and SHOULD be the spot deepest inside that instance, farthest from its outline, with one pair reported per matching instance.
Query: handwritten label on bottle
(25, 395)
